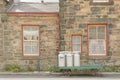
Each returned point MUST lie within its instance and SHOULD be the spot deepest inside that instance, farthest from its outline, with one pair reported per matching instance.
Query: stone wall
(1, 31)
(1, 44)
(1, 5)
(76, 14)
(11, 38)
(48, 25)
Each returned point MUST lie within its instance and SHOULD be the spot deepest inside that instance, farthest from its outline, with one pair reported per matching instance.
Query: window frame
(110, 2)
(106, 39)
(26, 54)
(80, 42)
(100, 1)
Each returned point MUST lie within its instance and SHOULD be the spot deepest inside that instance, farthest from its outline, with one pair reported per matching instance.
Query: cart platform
(82, 69)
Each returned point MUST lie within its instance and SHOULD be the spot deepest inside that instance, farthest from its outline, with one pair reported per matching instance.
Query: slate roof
(34, 7)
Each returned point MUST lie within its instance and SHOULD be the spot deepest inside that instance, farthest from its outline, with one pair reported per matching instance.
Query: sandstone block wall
(11, 39)
(76, 14)
(48, 25)
(1, 31)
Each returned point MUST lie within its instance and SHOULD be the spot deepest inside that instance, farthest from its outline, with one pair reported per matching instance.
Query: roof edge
(40, 2)
(32, 12)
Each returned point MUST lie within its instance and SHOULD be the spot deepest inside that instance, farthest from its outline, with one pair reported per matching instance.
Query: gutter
(59, 31)
(32, 12)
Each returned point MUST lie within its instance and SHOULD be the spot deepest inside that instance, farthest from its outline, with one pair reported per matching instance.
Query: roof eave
(32, 12)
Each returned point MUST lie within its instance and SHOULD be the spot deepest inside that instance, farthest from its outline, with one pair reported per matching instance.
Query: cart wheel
(69, 72)
(65, 72)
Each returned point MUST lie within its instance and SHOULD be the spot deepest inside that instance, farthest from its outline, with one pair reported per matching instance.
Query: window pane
(76, 43)
(100, 0)
(27, 33)
(92, 47)
(76, 39)
(76, 48)
(101, 32)
(27, 49)
(92, 36)
(31, 34)
(101, 47)
(34, 35)
(26, 43)
(92, 29)
(34, 43)
(27, 28)
(34, 28)
(92, 32)
(34, 49)
(97, 39)
(101, 36)
(97, 47)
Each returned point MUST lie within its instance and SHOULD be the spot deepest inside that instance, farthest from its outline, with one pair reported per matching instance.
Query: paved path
(56, 77)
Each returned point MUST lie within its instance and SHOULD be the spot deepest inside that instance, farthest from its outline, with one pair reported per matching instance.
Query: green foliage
(8, 67)
(31, 69)
(111, 69)
(14, 68)
(53, 69)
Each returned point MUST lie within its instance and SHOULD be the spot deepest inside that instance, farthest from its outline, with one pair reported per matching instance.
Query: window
(100, 0)
(30, 40)
(97, 39)
(76, 43)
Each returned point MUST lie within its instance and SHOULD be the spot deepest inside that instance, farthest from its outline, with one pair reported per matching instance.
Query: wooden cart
(82, 69)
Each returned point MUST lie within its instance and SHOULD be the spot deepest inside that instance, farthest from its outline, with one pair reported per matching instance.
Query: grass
(14, 67)
(111, 69)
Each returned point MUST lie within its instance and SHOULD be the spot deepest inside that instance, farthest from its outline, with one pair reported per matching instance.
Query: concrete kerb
(53, 73)
(25, 73)
(109, 73)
